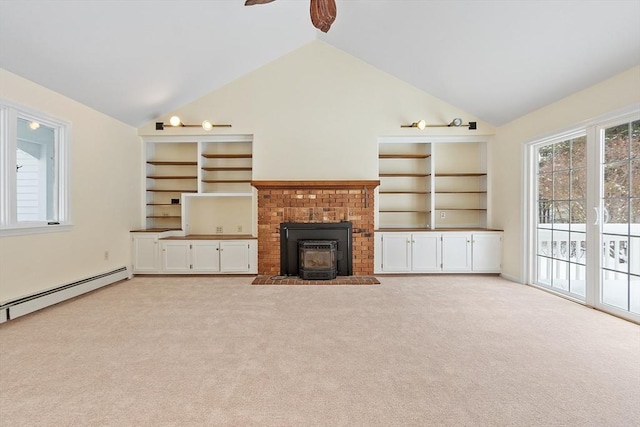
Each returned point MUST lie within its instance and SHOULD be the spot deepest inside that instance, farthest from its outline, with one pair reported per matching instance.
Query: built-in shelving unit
(225, 187)
(199, 184)
(427, 185)
(226, 168)
(460, 186)
(404, 192)
(171, 170)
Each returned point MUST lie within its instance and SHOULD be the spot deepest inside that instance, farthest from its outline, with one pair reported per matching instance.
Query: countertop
(435, 230)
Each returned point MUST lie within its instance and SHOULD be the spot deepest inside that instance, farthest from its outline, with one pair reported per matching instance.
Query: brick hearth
(317, 202)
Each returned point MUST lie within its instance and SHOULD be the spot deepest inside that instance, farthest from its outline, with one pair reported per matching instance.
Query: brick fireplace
(315, 202)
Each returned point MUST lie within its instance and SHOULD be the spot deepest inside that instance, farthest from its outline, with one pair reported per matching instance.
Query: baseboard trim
(25, 305)
(511, 278)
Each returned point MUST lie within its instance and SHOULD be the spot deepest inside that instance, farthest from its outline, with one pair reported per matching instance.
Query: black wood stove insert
(321, 241)
(317, 259)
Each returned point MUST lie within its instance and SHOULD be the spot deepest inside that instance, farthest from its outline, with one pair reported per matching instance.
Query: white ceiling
(139, 59)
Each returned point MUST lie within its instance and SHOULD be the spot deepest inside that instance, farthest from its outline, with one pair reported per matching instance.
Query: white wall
(611, 95)
(316, 113)
(105, 198)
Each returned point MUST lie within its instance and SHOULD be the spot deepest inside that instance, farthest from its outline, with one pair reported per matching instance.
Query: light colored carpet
(413, 351)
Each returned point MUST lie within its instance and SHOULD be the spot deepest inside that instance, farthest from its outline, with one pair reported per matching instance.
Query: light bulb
(456, 122)
(206, 125)
(421, 124)
(175, 121)
(34, 125)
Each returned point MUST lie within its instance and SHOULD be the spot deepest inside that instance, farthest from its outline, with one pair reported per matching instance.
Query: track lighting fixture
(421, 124)
(175, 121)
(457, 122)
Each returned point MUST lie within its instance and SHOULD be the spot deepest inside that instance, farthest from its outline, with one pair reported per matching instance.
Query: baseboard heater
(25, 305)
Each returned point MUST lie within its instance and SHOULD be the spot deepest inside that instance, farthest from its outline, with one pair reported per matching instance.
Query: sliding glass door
(585, 215)
(620, 219)
(561, 213)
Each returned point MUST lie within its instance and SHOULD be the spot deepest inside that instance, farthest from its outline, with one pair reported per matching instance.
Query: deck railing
(561, 261)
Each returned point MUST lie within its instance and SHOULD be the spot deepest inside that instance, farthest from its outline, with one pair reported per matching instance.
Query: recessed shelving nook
(405, 185)
(171, 170)
(226, 167)
(199, 184)
(431, 183)
(460, 186)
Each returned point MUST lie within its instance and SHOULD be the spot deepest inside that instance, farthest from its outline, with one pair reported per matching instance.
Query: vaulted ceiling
(497, 60)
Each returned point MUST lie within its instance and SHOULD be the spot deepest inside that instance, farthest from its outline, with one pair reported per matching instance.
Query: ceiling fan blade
(323, 13)
(252, 2)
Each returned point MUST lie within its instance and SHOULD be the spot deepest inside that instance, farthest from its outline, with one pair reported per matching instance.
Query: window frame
(10, 112)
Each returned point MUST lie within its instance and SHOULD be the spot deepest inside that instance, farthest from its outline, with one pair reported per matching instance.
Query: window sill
(20, 231)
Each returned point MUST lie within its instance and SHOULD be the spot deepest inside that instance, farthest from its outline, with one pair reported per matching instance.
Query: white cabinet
(426, 254)
(145, 252)
(408, 252)
(207, 256)
(487, 252)
(176, 256)
(456, 252)
(396, 253)
(161, 253)
(438, 252)
(234, 257)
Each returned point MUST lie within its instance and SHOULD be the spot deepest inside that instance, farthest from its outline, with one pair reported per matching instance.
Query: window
(34, 176)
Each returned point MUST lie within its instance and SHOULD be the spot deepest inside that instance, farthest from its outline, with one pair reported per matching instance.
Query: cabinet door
(234, 256)
(487, 252)
(396, 252)
(175, 256)
(145, 254)
(456, 252)
(426, 252)
(205, 256)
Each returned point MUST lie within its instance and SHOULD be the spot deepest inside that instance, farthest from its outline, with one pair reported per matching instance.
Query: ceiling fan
(323, 12)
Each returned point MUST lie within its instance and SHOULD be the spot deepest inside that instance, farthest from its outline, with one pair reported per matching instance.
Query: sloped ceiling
(497, 60)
